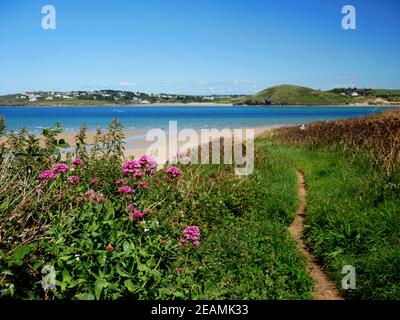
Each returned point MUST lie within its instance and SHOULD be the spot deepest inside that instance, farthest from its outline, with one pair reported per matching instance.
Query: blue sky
(198, 47)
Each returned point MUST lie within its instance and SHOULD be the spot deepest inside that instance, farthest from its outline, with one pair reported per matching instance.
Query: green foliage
(99, 252)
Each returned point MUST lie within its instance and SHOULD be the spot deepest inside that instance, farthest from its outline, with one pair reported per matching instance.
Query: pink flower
(196, 244)
(73, 180)
(110, 248)
(192, 233)
(94, 182)
(90, 194)
(145, 159)
(47, 175)
(179, 270)
(100, 198)
(148, 212)
(125, 189)
(77, 162)
(119, 182)
(138, 175)
(143, 185)
(131, 167)
(173, 172)
(60, 168)
(137, 214)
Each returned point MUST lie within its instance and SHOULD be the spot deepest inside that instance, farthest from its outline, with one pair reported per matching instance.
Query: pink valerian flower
(100, 198)
(149, 164)
(94, 182)
(119, 182)
(125, 190)
(47, 175)
(136, 214)
(73, 180)
(90, 194)
(138, 175)
(192, 233)
(143, 185)
(60, 168)
(77, 162)
(131, 167)
(173, 172)
(93, 197)
(196, 244)
(110, 248)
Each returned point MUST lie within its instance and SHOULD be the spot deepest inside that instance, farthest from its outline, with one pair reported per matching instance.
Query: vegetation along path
(324, 288)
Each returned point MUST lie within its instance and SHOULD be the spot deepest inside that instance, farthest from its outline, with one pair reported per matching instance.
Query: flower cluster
(192, 233)
(73, 180)
(60, 168)
(77, 162)
(47, 175)
(94, 182)
(173, 172)
(126, 190)
(51, 174)
(145, 164)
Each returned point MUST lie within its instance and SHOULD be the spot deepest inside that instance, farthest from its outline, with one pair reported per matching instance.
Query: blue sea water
(141, 119)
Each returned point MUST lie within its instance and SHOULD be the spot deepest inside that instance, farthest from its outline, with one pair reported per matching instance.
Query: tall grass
(377, 135)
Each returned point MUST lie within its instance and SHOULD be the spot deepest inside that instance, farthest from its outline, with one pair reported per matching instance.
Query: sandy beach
(136, 145)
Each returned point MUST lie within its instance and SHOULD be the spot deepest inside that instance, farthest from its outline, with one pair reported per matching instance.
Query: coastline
(201, 104)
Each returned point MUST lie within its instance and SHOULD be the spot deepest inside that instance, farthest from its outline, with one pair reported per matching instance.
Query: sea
(143, 118)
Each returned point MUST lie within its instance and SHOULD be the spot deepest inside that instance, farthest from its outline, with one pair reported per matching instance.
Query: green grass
(353, 218)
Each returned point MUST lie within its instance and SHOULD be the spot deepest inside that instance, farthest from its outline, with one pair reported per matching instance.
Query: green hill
(292, 95)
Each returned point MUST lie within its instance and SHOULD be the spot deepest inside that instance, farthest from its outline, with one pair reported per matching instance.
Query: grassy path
(324, 288)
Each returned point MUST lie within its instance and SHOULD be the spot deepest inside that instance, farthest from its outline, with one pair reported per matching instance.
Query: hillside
(293, 95)
(296, 95)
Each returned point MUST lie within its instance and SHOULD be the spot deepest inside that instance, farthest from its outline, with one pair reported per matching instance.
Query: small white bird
(302, 127)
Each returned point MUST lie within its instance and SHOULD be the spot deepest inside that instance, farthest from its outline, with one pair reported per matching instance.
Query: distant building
(354, 94)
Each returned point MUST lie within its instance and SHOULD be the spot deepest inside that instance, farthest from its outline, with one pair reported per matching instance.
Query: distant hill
(295, 95)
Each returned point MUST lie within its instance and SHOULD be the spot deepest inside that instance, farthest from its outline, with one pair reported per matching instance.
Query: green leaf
(178, 294)
(17, 258)
(130, 286)
(122, 273)
(100, 284)
(85, 296)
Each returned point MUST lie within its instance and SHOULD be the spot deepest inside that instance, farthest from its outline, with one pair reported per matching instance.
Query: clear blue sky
(198, 47)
